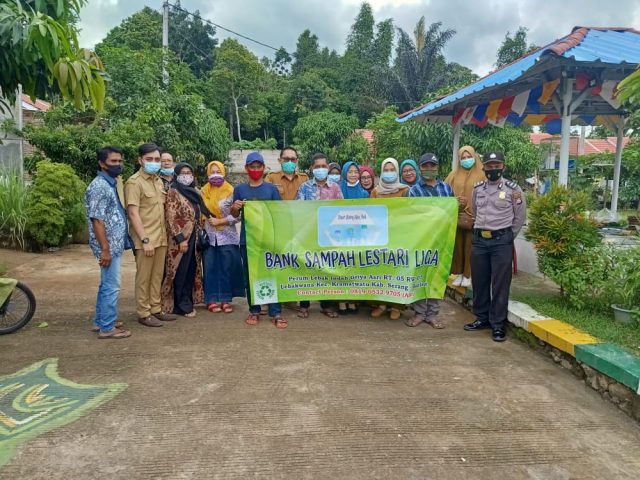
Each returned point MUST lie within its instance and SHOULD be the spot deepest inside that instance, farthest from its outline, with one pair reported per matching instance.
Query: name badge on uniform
(502, 195)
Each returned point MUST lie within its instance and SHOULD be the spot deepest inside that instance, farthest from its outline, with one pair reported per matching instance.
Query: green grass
(600, 325)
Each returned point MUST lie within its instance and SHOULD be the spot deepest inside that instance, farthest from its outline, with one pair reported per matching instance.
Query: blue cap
(254, 157)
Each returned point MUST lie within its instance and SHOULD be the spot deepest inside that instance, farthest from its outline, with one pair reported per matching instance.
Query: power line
(198, 16)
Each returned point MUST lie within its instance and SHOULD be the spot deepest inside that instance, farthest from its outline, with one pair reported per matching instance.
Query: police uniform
(500, 211)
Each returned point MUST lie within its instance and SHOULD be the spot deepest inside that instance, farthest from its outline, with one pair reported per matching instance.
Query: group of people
(188, 250)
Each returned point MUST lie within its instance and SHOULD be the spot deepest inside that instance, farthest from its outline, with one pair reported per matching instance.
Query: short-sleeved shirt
(244, 191)
(287, 187)
(147, 193)
(310, 190)
(422, 189)
(101, 202)
(498, 205)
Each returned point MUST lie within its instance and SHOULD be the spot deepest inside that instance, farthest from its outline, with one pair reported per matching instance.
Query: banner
(393, 250)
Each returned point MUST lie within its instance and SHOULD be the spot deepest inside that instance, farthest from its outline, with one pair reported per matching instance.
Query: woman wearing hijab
(389, 186)
(462, 181)
(350, 186)
(335, 173)
(182, 284)
(366, 178)
(409, 172)
(223, 274)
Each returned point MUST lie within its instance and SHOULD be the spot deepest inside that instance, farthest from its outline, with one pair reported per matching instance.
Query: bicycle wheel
(17, 310)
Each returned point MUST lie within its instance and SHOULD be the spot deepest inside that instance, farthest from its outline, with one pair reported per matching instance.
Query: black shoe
(476, 325)
(498, 335)
(343, 311)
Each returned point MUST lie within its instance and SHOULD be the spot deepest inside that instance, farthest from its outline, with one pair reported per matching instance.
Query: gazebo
(571, 81)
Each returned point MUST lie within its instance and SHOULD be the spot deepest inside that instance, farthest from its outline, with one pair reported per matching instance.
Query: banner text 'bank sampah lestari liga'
(391, 250)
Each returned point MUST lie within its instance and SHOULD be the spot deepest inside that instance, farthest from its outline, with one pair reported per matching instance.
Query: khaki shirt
(498, 205)
(288, 189)
(147, 193)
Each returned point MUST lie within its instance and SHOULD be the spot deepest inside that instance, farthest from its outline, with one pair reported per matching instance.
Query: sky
(481, 25)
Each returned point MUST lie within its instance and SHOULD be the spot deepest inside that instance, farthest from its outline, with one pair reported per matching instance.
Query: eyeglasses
(289, 159)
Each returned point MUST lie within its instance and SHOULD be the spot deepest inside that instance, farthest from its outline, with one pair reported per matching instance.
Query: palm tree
(420, 66)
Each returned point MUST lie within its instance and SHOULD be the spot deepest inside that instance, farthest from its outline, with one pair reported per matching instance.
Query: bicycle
(17, 308)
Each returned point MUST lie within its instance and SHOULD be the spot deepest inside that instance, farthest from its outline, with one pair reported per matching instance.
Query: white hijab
(384, 188)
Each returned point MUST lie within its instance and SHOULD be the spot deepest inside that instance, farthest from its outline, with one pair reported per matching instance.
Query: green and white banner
(392, 250)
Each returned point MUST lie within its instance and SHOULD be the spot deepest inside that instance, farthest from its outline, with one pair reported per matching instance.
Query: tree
(420, 66)
(513, 48)
(236, 75)
(322, 132)
(39, 50)
(191, 40)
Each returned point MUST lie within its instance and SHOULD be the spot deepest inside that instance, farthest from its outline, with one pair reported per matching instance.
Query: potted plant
(625, 284)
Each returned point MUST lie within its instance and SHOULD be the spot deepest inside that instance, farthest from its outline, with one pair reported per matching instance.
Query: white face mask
(185, 179)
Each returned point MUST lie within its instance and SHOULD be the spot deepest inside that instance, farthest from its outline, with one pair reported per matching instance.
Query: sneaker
(165, 317)
(466, 282)
(458, 281)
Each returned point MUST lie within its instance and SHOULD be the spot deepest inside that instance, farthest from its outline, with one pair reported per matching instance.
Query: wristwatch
(145, 240)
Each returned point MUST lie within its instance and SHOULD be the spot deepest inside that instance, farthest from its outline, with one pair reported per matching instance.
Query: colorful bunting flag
(532, 101)
(492, 109)
(520, 103)
(547, 90)
(468, 114)
(608, 88)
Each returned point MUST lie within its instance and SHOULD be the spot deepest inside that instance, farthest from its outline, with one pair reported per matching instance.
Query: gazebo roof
(527, 90)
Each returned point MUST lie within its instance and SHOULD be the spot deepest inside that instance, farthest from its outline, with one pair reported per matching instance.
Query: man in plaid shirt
(428, 186)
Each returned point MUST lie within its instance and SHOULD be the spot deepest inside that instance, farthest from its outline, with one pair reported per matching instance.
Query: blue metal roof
(607, 46)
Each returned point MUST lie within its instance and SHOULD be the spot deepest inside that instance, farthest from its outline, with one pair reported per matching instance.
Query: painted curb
(520, 314)
(613, 361)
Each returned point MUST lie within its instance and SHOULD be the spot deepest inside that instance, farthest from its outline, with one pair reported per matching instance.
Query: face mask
(389, 177)
(467, 163)
(152, 167)
(216, 180)
(494, 174)
(166, 171)
(255, 175)
(185, 179)
(289, 167)
(335, 178)
(429, 174)
(114, 170)
(320, 173)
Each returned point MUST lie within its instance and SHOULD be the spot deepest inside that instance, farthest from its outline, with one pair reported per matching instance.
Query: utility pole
(165, 42)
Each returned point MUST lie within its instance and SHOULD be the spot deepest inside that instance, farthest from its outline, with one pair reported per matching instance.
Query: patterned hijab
(413, 163)
(351, 191)
(211, 195)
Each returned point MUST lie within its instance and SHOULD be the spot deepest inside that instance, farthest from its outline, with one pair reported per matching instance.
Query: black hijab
(189, 191)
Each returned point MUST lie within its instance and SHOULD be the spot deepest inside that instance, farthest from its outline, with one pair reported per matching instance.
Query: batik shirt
(310, 190)
(102, 203)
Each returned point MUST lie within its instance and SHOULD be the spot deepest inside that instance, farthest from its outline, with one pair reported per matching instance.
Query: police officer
(500, 210)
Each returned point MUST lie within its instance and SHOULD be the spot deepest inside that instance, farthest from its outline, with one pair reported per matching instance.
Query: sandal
(116, 325)
(191, 314)
(415, 321)
(116, 333)
(329, 313)
(227, 308)
(378, 311)
(395, 314)
(214, 307)
(303, 313)
(280, 322)
(252, 319)
(435, 323)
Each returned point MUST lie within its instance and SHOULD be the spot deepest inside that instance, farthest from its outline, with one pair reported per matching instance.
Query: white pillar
(457, 128)
(563, 174)
(617, 164)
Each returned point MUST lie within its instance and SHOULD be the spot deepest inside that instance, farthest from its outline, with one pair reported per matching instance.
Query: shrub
(257, 144)
(13, 199)
(55, 205)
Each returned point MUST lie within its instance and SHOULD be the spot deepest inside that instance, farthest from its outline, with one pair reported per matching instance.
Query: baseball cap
(493, 157)
(428, 158)
(254, 157)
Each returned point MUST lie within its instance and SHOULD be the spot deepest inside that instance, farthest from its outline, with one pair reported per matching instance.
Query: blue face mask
(289, 167)
(389, 177)
(166, 171)
(467, 163)
(320, 173)
(335, 177)
(152, 167)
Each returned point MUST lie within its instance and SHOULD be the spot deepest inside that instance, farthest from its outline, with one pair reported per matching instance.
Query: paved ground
(345, 398)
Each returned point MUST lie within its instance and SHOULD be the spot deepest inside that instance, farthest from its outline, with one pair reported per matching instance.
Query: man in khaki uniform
(145, 206)
(288, 180)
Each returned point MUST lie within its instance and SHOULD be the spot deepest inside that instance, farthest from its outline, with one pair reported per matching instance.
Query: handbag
(465, 220)
(203, 239)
